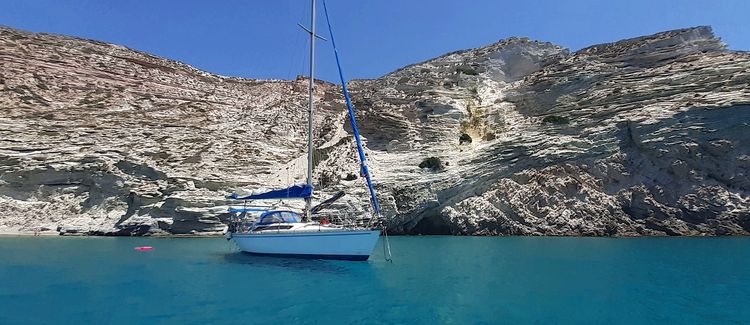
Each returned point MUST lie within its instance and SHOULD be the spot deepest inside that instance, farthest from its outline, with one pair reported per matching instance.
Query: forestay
(363, 162)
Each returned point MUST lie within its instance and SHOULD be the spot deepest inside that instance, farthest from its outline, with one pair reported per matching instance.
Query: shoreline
(56, 234)
(219, 235)
(28, 234)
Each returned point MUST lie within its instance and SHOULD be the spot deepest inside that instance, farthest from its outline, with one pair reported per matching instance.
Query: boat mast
(310, 149)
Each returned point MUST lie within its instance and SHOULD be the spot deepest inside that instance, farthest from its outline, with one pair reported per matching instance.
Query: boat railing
(241, 224)
(346, 218)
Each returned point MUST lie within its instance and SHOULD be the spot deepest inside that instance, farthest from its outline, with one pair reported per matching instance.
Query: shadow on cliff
(676, 166)
(708, 143)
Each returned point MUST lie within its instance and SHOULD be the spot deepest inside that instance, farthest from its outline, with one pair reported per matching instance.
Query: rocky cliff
(646, 136)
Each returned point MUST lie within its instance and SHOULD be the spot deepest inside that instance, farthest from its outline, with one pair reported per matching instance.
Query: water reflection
(289, 264)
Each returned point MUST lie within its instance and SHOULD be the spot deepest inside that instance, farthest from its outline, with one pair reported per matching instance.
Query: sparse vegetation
(475, 119)
(326, 179)
(555, 119)
(467, 70)
(319, 155)
(424, 70)
(431, 163)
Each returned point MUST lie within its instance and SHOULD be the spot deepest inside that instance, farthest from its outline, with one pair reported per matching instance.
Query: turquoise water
(449, 280)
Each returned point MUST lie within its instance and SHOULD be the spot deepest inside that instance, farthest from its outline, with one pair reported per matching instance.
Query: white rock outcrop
(647, 136)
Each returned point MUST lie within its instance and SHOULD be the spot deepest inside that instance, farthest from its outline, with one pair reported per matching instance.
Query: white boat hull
(341, 244)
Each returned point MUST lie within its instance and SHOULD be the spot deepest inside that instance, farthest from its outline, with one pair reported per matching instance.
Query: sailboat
(285, 231)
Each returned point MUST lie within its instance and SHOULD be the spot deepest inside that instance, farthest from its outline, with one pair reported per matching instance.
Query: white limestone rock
(100, 139)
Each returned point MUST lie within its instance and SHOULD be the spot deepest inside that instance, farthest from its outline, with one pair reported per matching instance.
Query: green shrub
(432, 163)
(319, 155)
(554, 119)
(326, 179)
(464, 138)
(467, 70)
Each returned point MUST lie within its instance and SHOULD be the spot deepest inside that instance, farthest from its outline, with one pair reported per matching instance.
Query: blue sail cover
(241, 210)
(301, 191)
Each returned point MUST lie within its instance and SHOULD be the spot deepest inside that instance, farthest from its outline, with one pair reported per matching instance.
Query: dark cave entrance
(431, 225)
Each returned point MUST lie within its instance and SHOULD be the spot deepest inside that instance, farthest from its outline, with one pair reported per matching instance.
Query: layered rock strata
(646, 136)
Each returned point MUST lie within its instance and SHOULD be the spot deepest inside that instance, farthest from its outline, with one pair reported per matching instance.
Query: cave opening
(431, 225)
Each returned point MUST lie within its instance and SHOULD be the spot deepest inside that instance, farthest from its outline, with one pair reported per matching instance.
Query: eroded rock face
(647, 136)
(100, 139)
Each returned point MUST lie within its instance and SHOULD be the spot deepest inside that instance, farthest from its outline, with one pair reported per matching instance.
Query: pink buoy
(144, 248)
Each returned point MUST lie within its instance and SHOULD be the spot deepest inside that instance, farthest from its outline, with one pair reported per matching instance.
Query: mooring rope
(387, 246)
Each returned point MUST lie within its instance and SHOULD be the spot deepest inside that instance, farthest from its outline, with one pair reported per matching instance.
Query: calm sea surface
(459, 280)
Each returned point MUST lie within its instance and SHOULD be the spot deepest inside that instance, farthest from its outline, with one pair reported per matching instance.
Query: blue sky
(260, 39)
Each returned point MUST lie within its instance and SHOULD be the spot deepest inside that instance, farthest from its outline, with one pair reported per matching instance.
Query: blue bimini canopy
(302, 191)
(278, 217)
